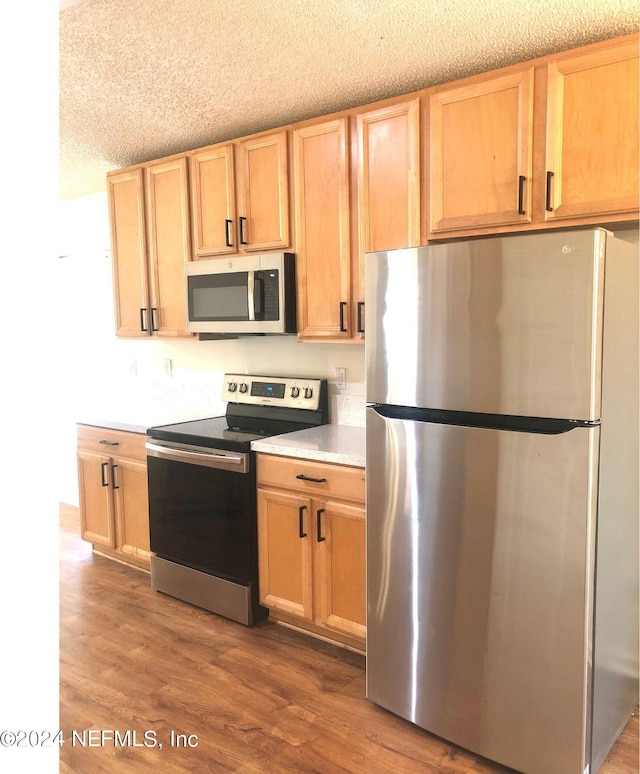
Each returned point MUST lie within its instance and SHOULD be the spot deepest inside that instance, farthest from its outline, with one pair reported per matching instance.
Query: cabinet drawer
(335, 480)
(112, 443)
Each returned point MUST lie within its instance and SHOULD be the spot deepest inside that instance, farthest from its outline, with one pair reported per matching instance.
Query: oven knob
(243, 387)
(232, 386)
(295, 391)
(308, 392)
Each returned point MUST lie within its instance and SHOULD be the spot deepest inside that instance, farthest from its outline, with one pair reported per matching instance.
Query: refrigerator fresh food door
(480, 557)
(508, 325)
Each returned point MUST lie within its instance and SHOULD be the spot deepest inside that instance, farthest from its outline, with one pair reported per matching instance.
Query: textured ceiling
(141, 79)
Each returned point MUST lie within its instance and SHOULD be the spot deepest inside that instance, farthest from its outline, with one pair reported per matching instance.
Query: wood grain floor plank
(261, 700)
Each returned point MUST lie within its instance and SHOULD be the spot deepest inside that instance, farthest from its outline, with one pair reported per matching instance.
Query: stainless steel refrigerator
(502, 493)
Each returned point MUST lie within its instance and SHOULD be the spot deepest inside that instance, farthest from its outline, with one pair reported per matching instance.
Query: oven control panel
(287, 391)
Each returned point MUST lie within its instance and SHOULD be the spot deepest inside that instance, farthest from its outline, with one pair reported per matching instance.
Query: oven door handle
(210, 459)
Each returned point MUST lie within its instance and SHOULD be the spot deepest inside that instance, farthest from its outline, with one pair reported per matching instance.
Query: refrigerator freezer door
(505, 325)
(480, 553)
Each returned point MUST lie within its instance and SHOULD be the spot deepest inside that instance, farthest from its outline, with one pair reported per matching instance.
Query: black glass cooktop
(213, 432)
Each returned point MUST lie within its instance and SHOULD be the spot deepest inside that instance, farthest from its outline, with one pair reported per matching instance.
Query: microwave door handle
(250, 289)
(258, 296)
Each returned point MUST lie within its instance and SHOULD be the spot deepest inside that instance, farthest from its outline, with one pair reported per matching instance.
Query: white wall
(96, 368)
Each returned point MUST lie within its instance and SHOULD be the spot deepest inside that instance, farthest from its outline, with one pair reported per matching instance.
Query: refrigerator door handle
(544, 425)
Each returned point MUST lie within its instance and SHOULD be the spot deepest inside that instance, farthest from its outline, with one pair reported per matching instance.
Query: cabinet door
(342, 569)
(285, 537)
(263, 192)
(388, 177)
(592, 134)
(321, 180)
(213, 201)
(167, 197)
(96, 501)
(388, 185)
(129, 253)
(132, 508)
(480, 153)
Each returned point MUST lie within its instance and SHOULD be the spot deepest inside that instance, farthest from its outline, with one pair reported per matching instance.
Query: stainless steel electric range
(202, 491)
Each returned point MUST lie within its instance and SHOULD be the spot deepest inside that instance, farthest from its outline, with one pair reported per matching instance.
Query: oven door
(202, 509)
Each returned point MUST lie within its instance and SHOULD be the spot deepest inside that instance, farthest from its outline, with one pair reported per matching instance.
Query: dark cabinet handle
(360, 310)
(319, 513)
(154, 326)
(109, 443)
(243, 240)
(521, 181)
(143, 324)
(103, 467)
(302, 477)
(343, 305)
(547, 205)
(113, 477)
(301, 532)
(227, 232)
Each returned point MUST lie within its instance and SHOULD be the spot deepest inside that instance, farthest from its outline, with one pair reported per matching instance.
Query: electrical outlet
(133, 368)
(340, 376)
(168, 367)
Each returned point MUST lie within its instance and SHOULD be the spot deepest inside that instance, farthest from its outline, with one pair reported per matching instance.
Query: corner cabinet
(150, 244)
(481, 152)
(592, 134)
(114, 505)
(311, 546)
(240, 196)
(322, 229)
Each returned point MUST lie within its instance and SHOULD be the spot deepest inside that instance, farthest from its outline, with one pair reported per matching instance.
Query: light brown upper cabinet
(240, 196)
(321, 195)
(388, 184)
(481, 152)
(592, 134)
(150, 244)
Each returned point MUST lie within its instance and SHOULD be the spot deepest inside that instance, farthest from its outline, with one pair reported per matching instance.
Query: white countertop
(342, 444)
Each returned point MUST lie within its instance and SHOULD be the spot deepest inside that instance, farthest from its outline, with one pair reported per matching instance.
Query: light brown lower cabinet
(311, 546)
(114, 504)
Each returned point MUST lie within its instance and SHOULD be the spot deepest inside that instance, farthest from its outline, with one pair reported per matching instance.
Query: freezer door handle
(544, 425)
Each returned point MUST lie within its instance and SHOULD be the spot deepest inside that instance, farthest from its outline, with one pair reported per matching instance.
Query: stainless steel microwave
(243, 295)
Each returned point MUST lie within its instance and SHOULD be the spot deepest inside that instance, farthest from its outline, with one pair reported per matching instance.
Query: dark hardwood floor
(260, 699)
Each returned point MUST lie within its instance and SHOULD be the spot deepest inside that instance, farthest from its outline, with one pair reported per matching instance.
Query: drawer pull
(319, 513)
(109, 443)
(302, 477)
(301, 532)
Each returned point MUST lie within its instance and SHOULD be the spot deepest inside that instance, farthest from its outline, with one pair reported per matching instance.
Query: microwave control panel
(271, 295)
